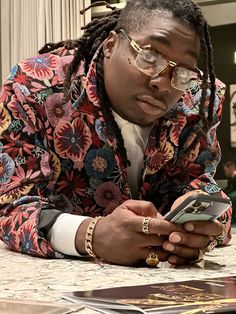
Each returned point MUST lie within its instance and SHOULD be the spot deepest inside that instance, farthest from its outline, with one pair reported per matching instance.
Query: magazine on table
(213, 295)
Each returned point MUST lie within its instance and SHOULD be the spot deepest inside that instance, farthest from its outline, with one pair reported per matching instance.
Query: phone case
(199, 207)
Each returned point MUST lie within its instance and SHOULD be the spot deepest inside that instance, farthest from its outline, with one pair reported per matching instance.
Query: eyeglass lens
(153, 64)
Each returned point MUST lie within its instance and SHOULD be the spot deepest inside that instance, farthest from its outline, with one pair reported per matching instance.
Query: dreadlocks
(132, 18)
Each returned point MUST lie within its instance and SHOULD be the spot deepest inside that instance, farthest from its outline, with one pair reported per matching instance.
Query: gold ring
(211, 246)
(145, 225)
(152, 259)
(221, 237)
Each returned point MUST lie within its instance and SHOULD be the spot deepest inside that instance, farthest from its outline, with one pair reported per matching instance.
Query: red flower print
(16, 146)
(31, 163)
(91, 210)
(23, 213)
(19, 112)
(178, 124)
(5, 93)
(108, 195)
(56, 110)
(90, 85)
(24, 177)
(61, 71)
(22, 79)
(188, 99)
(87, 106)
(14, 191)
(160, 157)
(28, 241)
(40, 67)
(72, 185)
(72, 140)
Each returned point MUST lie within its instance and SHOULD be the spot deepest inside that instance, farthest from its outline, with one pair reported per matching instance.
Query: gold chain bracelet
(89, 236)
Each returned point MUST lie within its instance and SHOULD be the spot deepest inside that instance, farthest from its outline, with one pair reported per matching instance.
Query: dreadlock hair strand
(112, 127)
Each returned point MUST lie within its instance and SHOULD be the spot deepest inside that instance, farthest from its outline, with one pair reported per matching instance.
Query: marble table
(30, 278)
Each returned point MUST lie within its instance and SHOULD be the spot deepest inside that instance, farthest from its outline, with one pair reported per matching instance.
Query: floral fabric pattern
(40, 67)
(58, 156)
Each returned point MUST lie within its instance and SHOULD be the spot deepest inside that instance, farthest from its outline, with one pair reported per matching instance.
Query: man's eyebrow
(163, 40)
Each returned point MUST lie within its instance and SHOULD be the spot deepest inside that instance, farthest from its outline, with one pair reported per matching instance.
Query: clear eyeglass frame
(152, 63)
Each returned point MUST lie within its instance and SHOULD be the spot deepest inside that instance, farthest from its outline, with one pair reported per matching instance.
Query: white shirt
(63, 232)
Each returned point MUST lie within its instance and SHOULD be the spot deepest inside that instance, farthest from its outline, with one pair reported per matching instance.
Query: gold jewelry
(211, 246)
(145, 225)
(221, 236)
(89, 236)
(152, 259)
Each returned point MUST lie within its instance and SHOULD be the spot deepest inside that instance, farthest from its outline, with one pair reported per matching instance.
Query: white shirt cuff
(63, 232)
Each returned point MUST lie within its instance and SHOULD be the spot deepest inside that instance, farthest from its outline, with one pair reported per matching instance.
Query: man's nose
(162, 81)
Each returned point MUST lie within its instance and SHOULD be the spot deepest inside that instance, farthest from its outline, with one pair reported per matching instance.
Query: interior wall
(224, 43)
(26, 25)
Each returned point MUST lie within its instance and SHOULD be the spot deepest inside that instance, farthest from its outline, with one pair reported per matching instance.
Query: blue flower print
(7, 167)
(99, 127)
(207, 159)
(13, 72)
(99, 163)
(23, 89)
(27, 245)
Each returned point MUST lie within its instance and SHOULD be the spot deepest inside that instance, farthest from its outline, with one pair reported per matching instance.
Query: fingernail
(175, 238)
(189, 227)
(169, 247)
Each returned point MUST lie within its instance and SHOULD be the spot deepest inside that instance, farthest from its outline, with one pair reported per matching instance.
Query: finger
(191, 240)
(212, 228)
(177, 261)
(162, 254)
(150, 240)
(141, 208)
(184, 252)
(163, 227)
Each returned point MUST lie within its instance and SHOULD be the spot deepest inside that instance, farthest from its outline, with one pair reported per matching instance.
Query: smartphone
(199, 207)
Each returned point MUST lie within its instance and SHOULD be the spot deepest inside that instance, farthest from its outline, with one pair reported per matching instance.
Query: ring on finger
(211, 246)
(145, 225)
(152, 259)
(221, 237)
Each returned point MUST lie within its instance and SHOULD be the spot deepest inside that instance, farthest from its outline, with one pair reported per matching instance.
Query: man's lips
(152, 102)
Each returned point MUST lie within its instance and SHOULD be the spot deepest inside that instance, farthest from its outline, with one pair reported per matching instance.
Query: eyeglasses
(153, 63)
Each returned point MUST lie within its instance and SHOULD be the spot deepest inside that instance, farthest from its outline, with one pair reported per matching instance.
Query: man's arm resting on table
(61, 230)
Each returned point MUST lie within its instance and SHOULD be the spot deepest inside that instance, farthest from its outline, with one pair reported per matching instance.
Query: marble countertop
(30, 278)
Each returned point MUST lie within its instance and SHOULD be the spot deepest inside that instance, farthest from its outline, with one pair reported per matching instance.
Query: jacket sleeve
(26, 170)
(208, 159)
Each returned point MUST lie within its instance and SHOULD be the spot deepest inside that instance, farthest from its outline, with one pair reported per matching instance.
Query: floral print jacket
(58, 156)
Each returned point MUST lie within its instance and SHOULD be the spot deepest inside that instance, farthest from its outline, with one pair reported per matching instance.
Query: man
(106, 126)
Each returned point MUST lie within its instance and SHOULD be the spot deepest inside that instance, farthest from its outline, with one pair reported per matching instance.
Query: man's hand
(185, 246)
(118, 238)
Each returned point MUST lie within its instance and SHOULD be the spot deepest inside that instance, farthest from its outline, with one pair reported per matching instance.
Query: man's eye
(183, 72)
(148, 56)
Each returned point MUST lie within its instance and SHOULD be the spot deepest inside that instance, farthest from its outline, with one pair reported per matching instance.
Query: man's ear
(109, 44)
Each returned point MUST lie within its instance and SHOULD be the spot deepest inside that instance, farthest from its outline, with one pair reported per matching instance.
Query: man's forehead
(167, 42)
